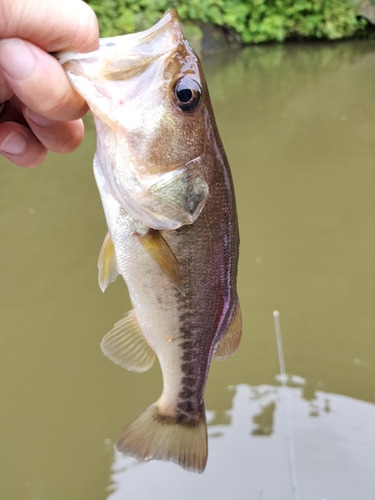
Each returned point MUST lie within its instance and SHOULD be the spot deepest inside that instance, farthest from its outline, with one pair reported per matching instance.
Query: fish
(169, 203)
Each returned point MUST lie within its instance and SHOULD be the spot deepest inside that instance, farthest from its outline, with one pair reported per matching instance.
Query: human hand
(42, 112)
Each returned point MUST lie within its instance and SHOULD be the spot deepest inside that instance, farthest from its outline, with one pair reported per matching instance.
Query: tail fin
(154, 436)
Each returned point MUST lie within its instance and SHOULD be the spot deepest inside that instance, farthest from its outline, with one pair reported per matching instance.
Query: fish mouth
(166, 32)
(127, 54)
(137, 50)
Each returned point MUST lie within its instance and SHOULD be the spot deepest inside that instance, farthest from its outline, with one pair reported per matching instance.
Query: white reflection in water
(334, 443)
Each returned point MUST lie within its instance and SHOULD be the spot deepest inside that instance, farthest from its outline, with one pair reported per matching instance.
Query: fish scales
(208, 311)
(168, 198)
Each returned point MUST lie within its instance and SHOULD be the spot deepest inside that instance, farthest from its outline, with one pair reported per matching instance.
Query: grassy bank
(251, 21)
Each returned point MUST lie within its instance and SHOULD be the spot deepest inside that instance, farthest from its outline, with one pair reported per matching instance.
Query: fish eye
(187, 94)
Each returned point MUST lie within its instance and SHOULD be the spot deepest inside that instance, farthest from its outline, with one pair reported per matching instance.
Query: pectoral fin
(163, 255)
(126, 345)
(107, 263)
(229, 343)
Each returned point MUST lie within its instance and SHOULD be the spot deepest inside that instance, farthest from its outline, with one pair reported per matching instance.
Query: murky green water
(298, 124)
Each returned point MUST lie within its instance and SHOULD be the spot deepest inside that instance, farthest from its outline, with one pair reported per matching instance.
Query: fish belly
(154, 298)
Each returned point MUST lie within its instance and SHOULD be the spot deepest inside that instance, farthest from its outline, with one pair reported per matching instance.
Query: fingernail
(40, 120)
(16, 58)
(14, 144)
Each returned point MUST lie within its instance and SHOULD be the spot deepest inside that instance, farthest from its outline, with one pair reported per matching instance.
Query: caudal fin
(154, 436)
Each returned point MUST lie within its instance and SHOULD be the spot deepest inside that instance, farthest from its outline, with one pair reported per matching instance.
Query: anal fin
(126, 345)
(107, 263)
(163, 255)
(229, 343)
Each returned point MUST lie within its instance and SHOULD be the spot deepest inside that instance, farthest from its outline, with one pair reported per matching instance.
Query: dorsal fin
(107, 263)
(126, 345)
(229, 343)
(163, 255)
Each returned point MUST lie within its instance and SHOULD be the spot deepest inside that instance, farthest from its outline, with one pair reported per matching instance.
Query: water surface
(298, 125)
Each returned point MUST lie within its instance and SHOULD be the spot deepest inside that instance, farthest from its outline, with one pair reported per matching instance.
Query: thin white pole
(286, 405)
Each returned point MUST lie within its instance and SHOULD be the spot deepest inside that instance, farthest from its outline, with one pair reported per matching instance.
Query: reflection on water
(248, 457)
(298, 125)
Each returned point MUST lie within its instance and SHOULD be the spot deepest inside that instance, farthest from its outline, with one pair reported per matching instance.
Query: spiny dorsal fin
(229, 343)
(163, 255)
(153, 436)
(107, 263)
(126, 345)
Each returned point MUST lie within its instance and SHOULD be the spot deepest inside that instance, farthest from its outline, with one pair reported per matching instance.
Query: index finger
(52, 25)
(39, 81)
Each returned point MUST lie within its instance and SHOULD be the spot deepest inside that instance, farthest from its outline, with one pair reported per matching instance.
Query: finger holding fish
(19, 145)
(25, 68)
(25, 136)
(32, 124)
(29, 31)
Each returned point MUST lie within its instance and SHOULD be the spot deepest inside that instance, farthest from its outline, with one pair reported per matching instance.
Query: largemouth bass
(169, 203)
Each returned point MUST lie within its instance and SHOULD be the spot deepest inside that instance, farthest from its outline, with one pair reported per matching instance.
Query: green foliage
(255, 21)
